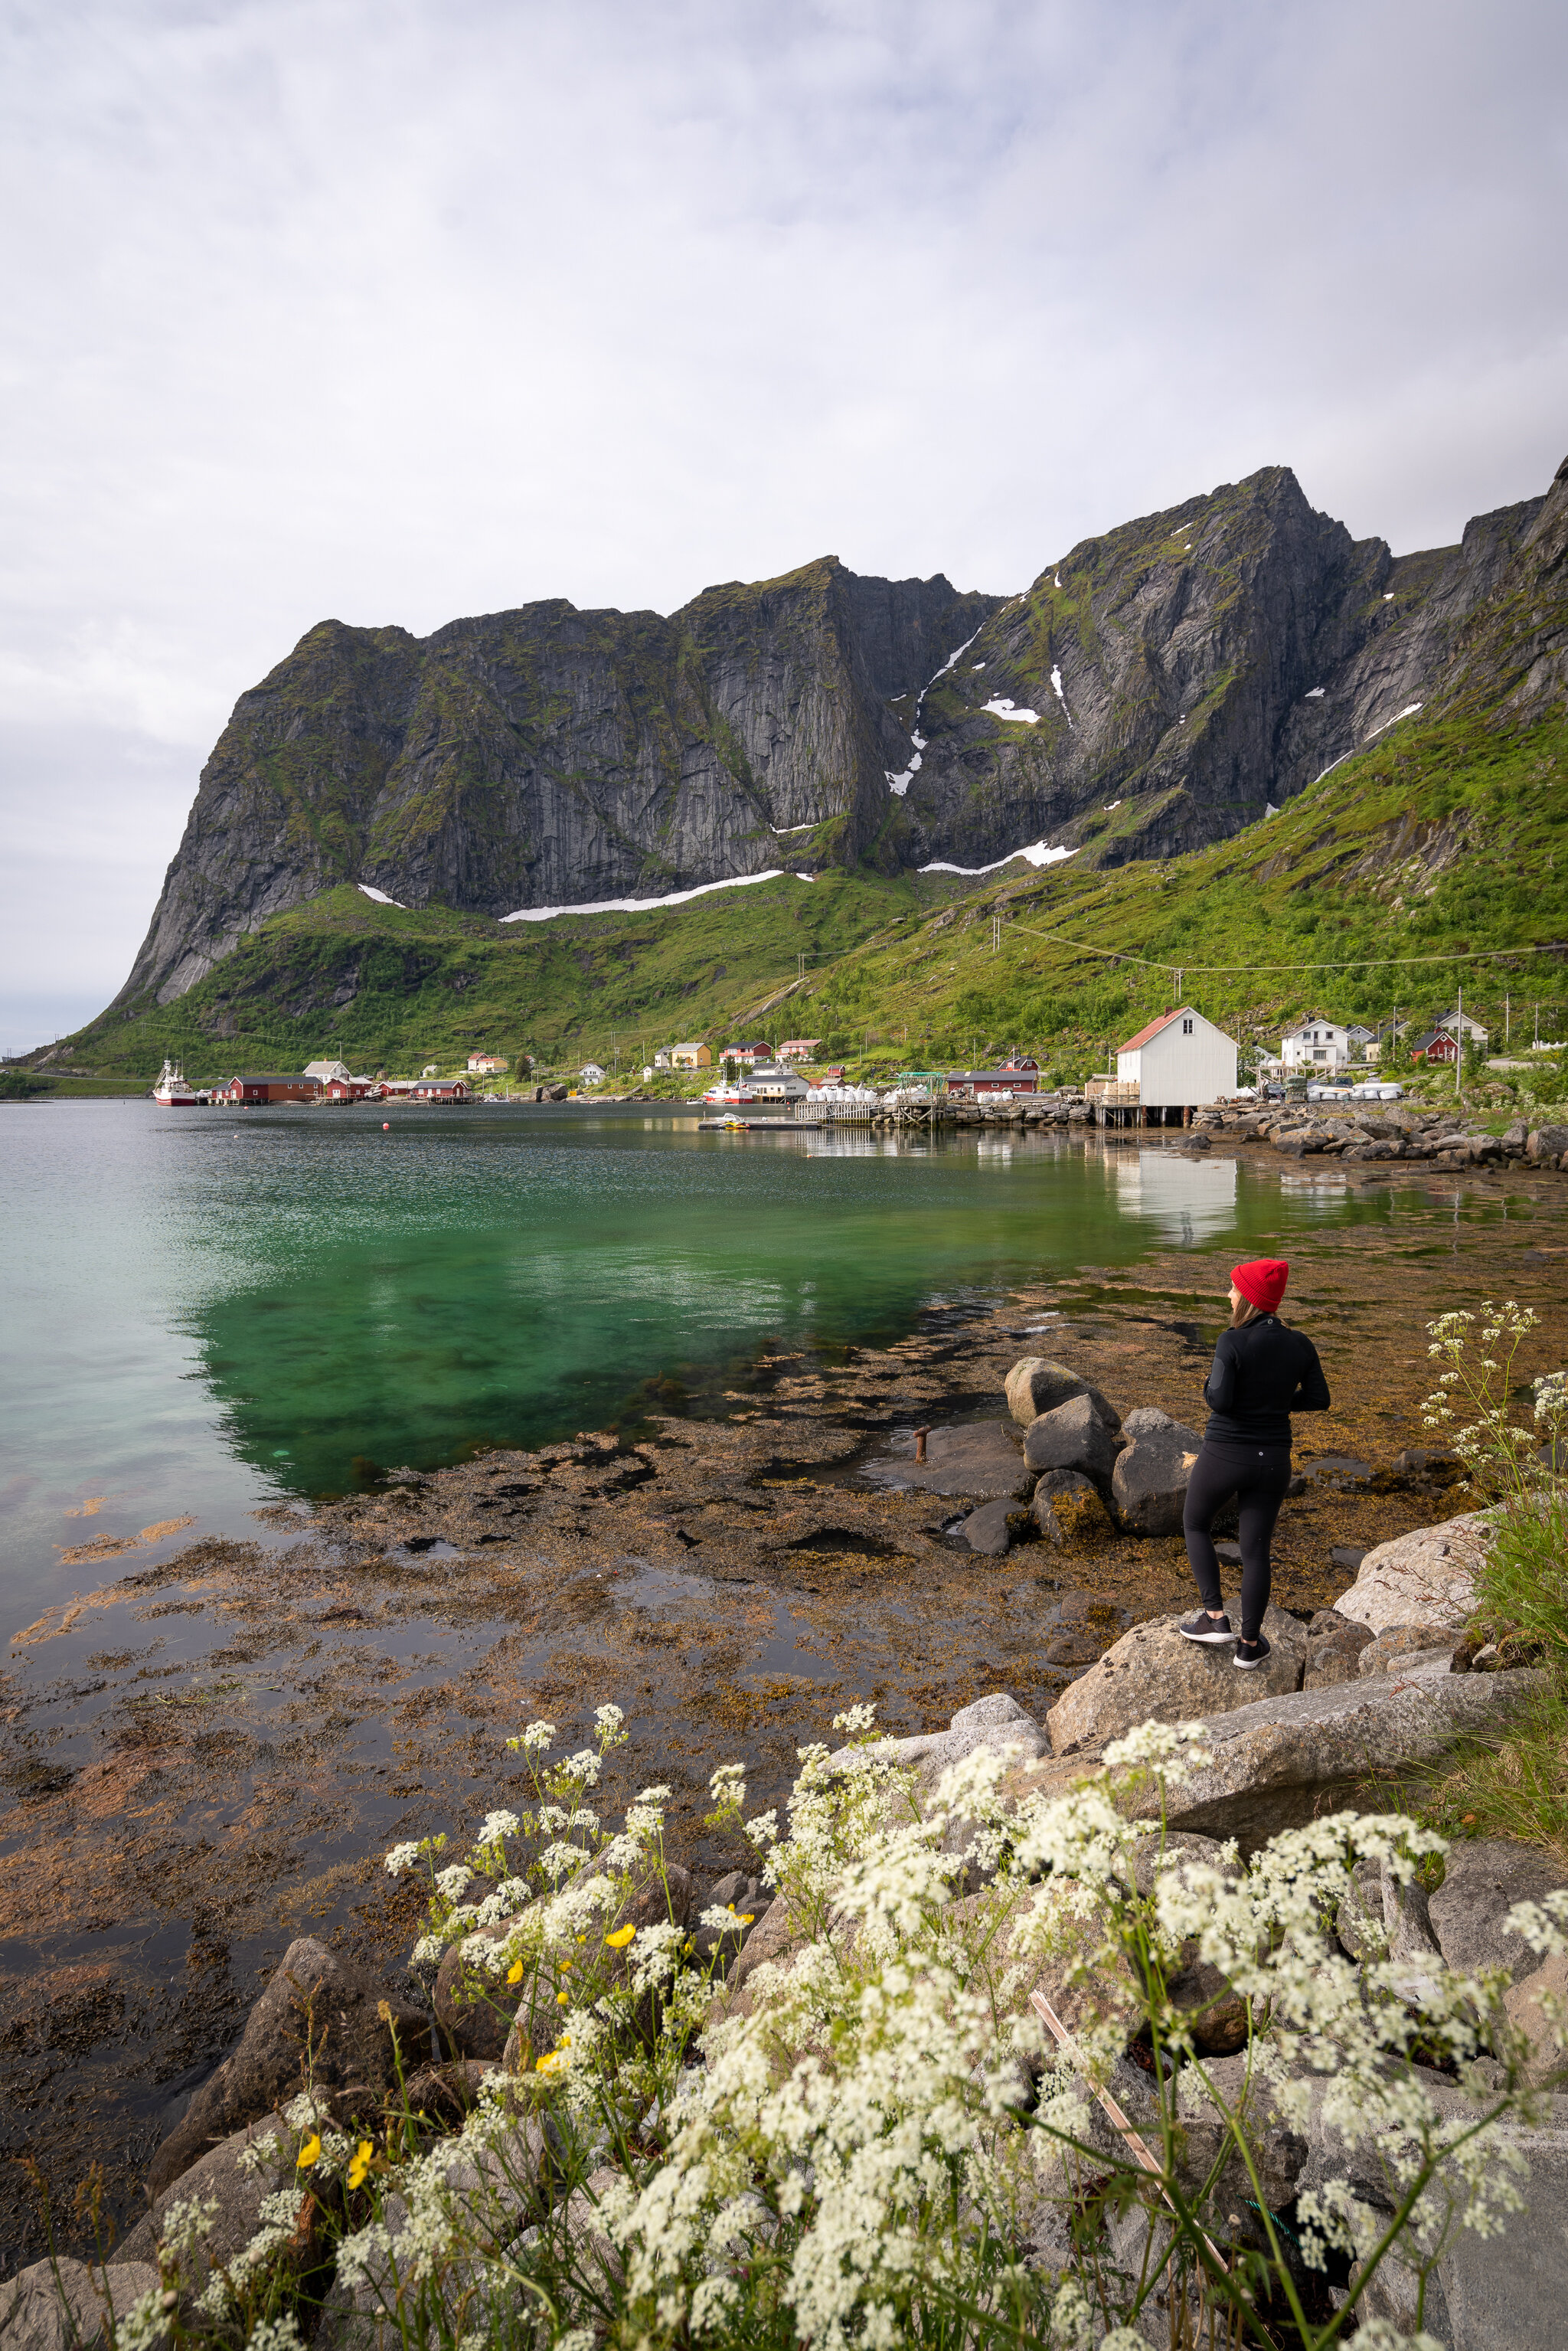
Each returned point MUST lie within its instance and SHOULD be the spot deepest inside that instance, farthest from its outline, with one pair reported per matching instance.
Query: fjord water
(206, 1310)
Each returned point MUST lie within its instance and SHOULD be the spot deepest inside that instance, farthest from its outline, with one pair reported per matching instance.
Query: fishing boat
(173, 1090)
(766, 1084)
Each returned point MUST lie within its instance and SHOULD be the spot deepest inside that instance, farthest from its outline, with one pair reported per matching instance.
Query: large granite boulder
(1423, 1578)
(1148, 1488)
(1037, 1384)
(1153, 1675)
(1482, 1880)
(316, 2001)
(1072, 1436)
(1069, 1513)
(1284, 1761)
(1547, 1145)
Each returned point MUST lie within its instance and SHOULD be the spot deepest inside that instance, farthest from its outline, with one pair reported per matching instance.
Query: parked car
(1272, 1092)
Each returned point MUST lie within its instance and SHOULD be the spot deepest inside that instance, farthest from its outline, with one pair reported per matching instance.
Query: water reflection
(1187, 1200)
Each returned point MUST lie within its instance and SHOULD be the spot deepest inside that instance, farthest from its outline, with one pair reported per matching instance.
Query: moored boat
(173, 1090)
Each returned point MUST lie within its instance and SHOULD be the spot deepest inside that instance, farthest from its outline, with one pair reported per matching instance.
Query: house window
(1320, 1056)
(1186, 1027)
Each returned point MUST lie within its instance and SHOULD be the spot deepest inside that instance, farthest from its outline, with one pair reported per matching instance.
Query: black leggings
(1258, 1476)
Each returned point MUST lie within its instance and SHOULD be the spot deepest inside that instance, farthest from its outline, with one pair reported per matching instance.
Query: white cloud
(406, 310)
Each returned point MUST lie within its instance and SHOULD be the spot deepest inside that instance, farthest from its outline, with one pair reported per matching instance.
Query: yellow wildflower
(514, 1973)
(562, 1998)
(310, 2153)
(747, 1918)
(620, 1938)
(360, 2164)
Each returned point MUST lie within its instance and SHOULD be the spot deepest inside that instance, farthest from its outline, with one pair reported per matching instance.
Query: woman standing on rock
(1262, 1374)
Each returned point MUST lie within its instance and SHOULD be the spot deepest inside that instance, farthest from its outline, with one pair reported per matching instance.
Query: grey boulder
(1335, 1644)
(75, 2310)
(1069, 1511)
(315, 2000)
(1481, 1882)
(995, 1527)
(1284, 1761)
(1390, 1651)
(1072, 1436)
(1427, 1577)
(1148, 1487)
(235, 2187)
(1153, 1675)
(1547, 1145)
(982, 1460)
(1036, 1384)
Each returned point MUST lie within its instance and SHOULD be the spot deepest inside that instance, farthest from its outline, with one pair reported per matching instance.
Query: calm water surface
(201, 1315)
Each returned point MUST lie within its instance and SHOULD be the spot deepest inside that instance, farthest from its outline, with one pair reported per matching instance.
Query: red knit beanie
(1261, 1282)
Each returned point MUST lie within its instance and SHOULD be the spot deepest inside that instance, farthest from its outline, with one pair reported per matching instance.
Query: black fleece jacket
(1262, 1374)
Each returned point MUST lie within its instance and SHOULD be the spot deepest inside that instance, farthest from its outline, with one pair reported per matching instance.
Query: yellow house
(693, 1056)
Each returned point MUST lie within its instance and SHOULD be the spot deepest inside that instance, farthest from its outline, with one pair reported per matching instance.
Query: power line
(1359, 963)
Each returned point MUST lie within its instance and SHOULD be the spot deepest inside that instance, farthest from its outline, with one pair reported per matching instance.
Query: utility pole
(1505, 1010)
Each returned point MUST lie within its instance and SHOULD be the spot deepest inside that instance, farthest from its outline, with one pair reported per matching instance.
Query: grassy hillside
(1441, 840)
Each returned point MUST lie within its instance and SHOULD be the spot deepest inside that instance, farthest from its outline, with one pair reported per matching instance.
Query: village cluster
(1179, 1062)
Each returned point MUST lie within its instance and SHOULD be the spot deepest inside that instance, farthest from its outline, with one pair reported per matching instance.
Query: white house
(327, 1072)
(486, 1065)
(1178, 1061)
(1318, 1044)
(591, 1074)
(1460, 1024)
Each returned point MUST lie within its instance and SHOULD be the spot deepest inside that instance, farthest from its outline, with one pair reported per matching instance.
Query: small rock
(1069, 1513)
(1388, 1650)
(1347, 1557)
(1036, 1384)
(1148, 1484)
(1335, 1644)
(1338, 1471)
(1546, 1982)
(1072, 1436)
(995, 1527)
(1428, 1464)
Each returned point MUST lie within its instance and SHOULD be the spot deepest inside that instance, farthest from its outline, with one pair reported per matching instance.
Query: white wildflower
(401, 1859)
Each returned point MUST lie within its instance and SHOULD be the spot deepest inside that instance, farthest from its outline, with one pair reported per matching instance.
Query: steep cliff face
(1155, 690)
(549, 757)
(1158, 688)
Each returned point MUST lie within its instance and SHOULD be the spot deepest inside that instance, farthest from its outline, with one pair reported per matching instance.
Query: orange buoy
(386, 1126)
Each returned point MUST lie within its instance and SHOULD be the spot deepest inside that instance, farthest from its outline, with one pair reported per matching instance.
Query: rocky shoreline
(1353, 1685)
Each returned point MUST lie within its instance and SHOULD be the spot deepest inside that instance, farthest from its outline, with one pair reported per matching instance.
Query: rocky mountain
(1155, 690)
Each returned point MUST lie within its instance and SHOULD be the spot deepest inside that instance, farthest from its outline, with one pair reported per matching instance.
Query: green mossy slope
(1442, 839)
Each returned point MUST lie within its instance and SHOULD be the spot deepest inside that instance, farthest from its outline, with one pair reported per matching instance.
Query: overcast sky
(403, 310)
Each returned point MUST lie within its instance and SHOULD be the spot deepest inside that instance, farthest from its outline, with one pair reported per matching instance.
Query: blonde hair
(1243, 1312)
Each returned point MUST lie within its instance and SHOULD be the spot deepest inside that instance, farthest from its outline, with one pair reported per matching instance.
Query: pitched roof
(1153, 1030)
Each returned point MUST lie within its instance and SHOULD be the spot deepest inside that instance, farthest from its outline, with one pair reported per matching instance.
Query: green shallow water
(203, 1315)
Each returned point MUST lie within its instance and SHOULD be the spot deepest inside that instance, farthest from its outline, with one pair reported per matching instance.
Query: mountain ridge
(1153, 692)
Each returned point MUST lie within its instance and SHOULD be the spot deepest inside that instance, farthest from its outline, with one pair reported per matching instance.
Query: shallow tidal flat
(208, 1757)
